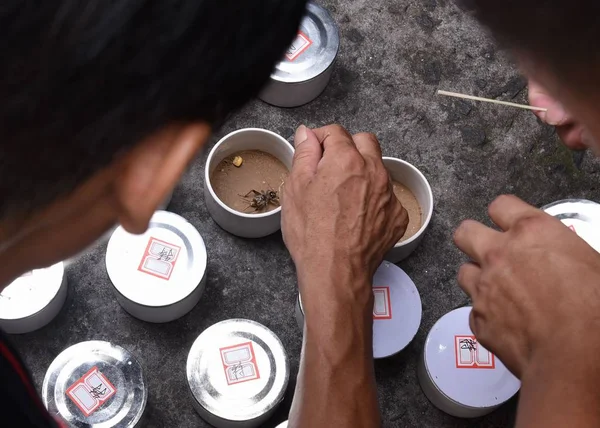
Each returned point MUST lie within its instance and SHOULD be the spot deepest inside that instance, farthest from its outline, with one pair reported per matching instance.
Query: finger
(308, 152)
(334, 137)
(575, 137)
(368, 145)
(539, 97)
(475, 240)
(506, 210)
(468, 279)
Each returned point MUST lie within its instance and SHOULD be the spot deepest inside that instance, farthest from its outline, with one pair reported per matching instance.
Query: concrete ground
(394, 55)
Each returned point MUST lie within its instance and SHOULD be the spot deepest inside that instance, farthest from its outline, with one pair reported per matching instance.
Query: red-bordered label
(239, 363)
(298, 46)
(159, 258)
(91, 391)
(382, 307)
(471, 355)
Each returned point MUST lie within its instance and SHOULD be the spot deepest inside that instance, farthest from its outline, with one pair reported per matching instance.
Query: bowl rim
(425, 224)
(209, 161)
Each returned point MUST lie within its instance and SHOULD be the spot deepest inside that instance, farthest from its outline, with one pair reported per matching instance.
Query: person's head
(556, 42)
(104, 103)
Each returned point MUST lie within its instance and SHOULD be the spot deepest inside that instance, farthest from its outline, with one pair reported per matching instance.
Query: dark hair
(82, 81)
(560, 34)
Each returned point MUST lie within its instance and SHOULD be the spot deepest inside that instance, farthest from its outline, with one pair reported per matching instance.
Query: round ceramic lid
(397, 310)
(95, 384)
(238, 370)
(32, 292)
(161, 267)
(462, 369)
(581, 216)
(313, 50)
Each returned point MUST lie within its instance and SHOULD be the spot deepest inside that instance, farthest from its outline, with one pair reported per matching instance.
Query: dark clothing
(20, 404)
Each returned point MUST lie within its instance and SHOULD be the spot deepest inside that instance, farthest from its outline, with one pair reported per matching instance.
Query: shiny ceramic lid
(95, 384)
(397, 310)
(32, 292)
(463, 370)
(161, 267)
(238, 370)
(314, 49)
(581, 216)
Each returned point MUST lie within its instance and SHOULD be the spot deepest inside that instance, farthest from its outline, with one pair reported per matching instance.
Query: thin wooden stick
(487, 100)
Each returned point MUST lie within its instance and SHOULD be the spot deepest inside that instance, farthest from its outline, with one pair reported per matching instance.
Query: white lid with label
(95, 384)
(397, 310)
(314, 49)
(33, 300)
(161, 267)
(581, 216)
(238, 372)
(458, 374)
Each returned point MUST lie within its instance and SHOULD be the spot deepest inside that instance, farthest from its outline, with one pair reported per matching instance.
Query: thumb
(308, 152)
(539, 97)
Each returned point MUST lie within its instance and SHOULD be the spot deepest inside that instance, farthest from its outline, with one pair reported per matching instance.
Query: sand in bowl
(409, 201)
(239, 186)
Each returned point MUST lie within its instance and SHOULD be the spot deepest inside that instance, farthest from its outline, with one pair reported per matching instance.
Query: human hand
(571, 132)
(338, 207)
(535, 287)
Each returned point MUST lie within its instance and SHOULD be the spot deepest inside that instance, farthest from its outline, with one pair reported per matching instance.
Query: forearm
(556, 395)
(336, 384)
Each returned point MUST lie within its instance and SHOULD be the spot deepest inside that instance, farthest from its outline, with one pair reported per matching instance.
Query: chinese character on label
(91, 391)
(159, 258)
(471, 355)
(239, 363)
(300, 44)
(382, 309)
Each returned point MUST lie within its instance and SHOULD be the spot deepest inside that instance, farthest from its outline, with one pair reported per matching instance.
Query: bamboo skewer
(487, 100)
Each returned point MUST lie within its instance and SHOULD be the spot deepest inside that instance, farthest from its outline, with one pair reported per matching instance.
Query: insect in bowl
(251, 220)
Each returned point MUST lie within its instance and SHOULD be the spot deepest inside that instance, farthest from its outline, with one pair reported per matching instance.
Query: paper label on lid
(239, 363)
(471, 355)
(159, 258)
(298, 46)
(91, 391)
(382, 309)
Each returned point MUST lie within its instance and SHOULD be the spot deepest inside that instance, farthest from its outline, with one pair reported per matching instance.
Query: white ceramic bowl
(408, 175)
(235, 222)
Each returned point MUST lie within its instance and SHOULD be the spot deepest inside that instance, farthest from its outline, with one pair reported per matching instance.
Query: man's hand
(573, 134)
(339, 218)
(535, 287)
(338, 204)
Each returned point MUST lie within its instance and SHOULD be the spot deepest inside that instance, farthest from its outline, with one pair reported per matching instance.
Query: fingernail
(556, 115)
(301, 135)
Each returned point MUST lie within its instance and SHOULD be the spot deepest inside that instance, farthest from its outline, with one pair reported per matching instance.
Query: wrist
(335, 288)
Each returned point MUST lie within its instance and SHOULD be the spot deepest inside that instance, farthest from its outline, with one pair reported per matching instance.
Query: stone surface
(395, 54)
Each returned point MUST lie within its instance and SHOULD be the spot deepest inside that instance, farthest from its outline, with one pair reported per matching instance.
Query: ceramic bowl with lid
(158, 276)
(306, 69)
(237, 372)
(458, 375)
(33, 300)
(95, 384)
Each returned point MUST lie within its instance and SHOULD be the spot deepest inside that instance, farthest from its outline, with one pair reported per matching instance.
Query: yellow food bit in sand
(237, 161)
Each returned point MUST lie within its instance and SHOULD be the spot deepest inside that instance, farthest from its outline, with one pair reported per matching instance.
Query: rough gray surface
(394, 55)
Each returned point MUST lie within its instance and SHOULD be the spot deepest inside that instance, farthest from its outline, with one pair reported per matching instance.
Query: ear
(148, 173)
